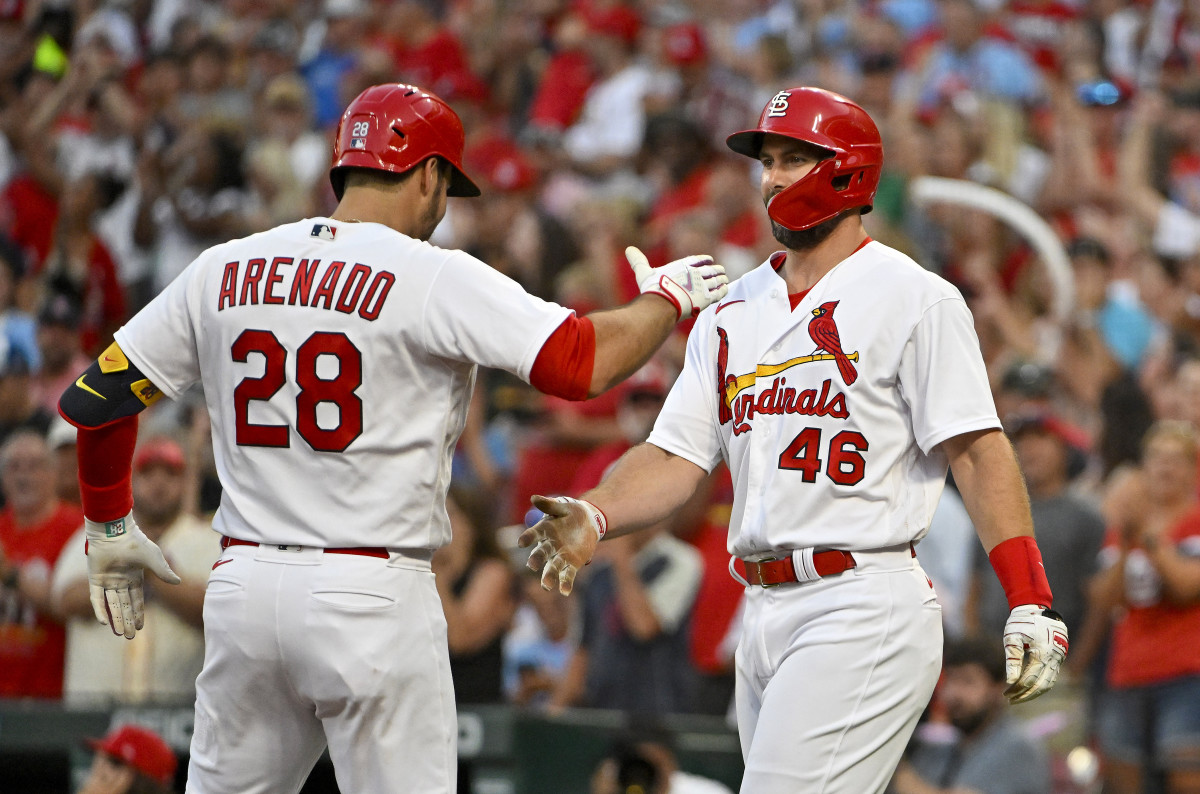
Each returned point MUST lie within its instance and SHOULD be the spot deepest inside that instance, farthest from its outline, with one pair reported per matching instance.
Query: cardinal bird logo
(824, 333)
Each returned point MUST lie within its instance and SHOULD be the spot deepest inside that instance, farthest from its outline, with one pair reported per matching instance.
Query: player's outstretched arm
(1035, 637)
(626, 337)
(644, 487)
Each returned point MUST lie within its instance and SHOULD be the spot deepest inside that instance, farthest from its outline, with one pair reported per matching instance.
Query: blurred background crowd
(136, 133)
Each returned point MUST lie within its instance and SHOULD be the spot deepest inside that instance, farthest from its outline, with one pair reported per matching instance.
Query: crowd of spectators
(136, 133)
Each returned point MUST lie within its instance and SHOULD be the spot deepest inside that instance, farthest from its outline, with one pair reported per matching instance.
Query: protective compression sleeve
(105, 468)
(563, 367)
(1018, 565)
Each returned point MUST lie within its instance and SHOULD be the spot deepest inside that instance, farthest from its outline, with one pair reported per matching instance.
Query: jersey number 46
(845, 463)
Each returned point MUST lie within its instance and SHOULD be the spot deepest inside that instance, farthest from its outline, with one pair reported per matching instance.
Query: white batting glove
(1035, 646)
(690, 283)
(117, 553)
(564, 540)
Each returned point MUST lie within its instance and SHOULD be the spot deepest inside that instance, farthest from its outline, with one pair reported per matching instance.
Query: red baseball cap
(141, 749)
(685, 43)
(162, 452)
(618, 21)
(502, 164)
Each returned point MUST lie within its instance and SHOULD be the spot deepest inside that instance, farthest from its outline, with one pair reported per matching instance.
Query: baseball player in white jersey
(337, 357)
(837, 380)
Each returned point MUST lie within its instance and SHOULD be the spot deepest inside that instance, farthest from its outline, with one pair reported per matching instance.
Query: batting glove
(1035, 646)
(117, 553)
(690, 284)
(564, 540)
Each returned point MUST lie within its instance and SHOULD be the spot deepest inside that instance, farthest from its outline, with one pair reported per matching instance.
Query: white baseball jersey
(337, 361)
(829, 415)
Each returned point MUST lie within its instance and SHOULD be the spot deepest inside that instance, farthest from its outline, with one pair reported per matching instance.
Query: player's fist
(1035, 646)
(690, 284)
(117, 553)
(563, 540)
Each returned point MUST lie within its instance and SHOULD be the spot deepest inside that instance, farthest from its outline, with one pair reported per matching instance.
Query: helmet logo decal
(779, 104)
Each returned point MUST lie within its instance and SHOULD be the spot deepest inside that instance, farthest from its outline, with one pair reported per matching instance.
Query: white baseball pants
(832, 676)
(305, 648)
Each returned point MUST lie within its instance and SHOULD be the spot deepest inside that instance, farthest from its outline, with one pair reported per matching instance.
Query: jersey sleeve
(943, 378)
(687, 426)
(475, 314)
(160, 340)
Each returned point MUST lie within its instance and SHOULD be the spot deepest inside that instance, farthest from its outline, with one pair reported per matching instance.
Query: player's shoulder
(889, 270)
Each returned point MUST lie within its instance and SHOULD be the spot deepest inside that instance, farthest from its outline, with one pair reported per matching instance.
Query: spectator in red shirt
(34, 528)
(1150, 718)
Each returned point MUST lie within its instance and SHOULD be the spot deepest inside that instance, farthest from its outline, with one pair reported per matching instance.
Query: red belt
(768, 573)
(362, 551)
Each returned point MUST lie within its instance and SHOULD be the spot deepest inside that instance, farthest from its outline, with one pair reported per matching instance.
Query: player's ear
(433, 174)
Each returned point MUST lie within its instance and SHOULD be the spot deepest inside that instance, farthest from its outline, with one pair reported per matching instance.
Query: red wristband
(1018, 565)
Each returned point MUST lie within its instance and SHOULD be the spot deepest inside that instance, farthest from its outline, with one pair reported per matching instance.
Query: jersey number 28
(314, 390)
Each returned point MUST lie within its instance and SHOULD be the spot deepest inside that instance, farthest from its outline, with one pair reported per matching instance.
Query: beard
(808, 238)
(970, 722)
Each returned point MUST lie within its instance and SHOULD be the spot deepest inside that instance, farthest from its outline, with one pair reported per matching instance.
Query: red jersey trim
(564, 365)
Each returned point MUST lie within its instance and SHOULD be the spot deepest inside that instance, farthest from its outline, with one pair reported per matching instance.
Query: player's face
(785, 161)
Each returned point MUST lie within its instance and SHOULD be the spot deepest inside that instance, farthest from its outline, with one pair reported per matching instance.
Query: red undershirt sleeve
(564, 365)
(106, 468)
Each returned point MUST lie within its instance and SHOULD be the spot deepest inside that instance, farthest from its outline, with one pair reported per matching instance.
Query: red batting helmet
(847, 178)
(394, 127)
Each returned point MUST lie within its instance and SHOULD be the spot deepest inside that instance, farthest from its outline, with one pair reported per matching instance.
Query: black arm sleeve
(111, 388)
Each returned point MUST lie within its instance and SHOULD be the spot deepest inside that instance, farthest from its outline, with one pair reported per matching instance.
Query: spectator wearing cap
(1069, 530)
(339, 34)
(61, 348)
(162, 662)
(34, 530)
(61, 439)
(512, 232)
(17, 326)
(714, 98)
(130, 760)
(288, 162)
(18, 410)
(612, 121)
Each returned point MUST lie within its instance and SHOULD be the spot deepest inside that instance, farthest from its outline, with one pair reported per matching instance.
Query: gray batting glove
(1035, 646)
(691, 283)
(117, 553)
(564, 540)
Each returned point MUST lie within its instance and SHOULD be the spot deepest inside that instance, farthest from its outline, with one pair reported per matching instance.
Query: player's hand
(691, 283)
(1035, 645)
(117, 553)
(564, 540)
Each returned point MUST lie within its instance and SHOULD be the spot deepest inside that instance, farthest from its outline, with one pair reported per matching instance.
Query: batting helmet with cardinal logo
(845, 179)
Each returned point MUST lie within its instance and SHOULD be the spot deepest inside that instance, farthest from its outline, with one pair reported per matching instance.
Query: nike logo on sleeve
(79, 382)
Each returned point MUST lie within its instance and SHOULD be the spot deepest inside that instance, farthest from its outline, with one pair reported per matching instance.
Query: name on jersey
(739, 404)
(286, 282)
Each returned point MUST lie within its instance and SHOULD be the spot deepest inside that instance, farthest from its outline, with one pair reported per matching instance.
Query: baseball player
(337, 357)
(837, 380)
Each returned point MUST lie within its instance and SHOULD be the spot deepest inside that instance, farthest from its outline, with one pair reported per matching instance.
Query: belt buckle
(760, 582)
(289, 548)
